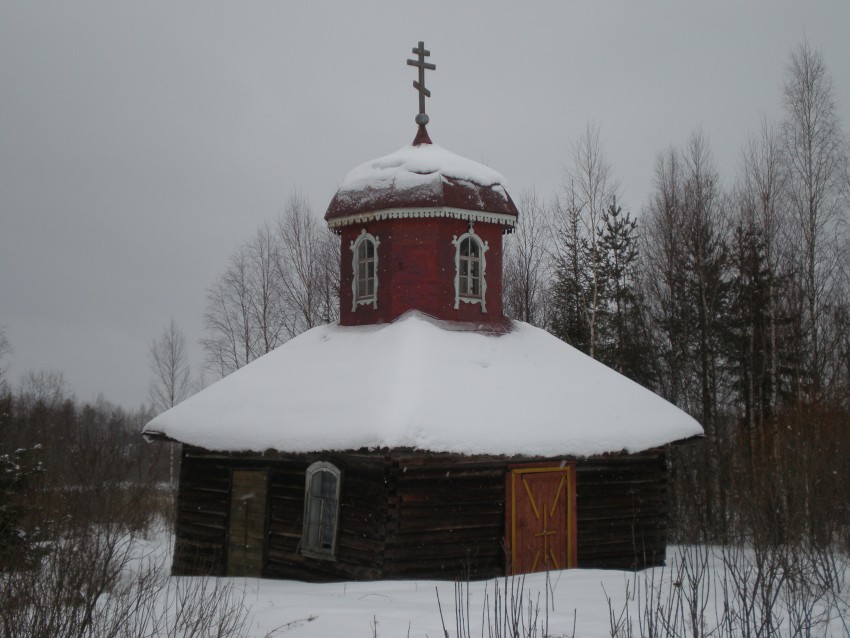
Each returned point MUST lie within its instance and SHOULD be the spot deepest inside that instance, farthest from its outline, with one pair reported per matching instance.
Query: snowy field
(578, 601)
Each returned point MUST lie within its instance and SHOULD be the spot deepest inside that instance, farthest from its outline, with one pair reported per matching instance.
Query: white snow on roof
(414, 383)
(414, 167)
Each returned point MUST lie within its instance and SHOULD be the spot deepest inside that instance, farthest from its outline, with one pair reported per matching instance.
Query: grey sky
(141, 143)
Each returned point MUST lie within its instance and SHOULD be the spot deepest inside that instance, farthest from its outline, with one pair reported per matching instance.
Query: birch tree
(307, 268)
(815, 151)
(664, 278)
(168, 361)
(284, 281)
(526, 269)
(762, 216)
(579, 267)
(594, 189)
(170, 382)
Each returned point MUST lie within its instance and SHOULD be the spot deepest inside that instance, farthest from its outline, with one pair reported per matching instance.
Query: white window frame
(319, 551)
(483, 247)
(355, 279)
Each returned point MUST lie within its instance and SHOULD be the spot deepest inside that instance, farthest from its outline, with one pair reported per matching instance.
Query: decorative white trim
(315, 468)
(484, 247)
(408, 213)
(355, 245)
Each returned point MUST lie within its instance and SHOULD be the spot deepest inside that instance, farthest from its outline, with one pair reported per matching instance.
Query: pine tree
(570, 290)
(19, 467)
(748, 326)
(624, 342)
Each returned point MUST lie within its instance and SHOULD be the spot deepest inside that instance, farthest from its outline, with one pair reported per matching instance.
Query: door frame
(265, 502)
(516, 471)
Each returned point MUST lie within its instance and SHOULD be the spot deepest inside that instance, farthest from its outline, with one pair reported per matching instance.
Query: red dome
(422, 180)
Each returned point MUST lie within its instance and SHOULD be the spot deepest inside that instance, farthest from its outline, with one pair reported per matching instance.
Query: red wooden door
(541, 518)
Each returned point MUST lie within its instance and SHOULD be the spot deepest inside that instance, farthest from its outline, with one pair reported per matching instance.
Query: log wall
(362, 519)
(621, 504)
(405, 515)
(446, 517)
(203, 511)
(203, 503)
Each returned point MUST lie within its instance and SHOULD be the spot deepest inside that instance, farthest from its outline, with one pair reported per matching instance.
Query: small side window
(470, 266)
(364, 284)
(321, 510)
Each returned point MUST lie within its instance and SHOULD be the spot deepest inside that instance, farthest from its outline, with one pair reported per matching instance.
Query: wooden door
(540, 525)
(247, 530)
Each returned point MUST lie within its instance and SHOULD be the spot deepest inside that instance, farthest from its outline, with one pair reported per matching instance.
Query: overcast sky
(142, 142)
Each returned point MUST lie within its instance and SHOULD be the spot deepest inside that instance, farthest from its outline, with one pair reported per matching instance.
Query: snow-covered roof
(420, 176)
(420, 384)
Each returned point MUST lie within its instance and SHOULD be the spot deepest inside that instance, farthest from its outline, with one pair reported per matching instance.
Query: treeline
(733, 303)
(67, 466)
(82, 498)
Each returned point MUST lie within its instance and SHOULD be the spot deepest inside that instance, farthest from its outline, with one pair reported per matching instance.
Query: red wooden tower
(422, 229)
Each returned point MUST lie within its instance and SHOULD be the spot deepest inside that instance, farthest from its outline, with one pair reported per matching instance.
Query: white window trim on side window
(483, 248)
(355, 245)
(319, 552)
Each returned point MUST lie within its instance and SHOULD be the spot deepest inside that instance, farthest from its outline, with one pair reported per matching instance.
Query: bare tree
(5, 351)
(282, 282)
(169, 364)
(578, 293)
(44, 386)
(762, 210)
(307, 268)
(687, 275)
(664, 279)
(266, 306)
(245, 316)
(817, 168)
(230, 340)
(594, 189)
(170, 383)
(527, 264)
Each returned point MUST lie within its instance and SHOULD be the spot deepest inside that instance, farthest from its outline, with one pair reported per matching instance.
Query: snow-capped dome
(422, 175)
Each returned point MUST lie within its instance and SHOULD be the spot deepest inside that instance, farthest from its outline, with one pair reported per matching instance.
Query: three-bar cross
(422, 118)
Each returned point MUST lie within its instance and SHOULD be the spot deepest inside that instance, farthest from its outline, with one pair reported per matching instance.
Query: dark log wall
(203, 502)
(416, 515)
(204, 505)
(446, 517)
(362, 520)
(621, 504)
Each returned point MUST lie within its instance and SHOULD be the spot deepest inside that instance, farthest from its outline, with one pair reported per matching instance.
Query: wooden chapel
(425, 435)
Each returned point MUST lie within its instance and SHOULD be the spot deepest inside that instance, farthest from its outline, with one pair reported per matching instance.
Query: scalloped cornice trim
(413, 213)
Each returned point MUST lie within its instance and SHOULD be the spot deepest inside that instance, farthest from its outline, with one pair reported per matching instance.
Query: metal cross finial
(422, 118)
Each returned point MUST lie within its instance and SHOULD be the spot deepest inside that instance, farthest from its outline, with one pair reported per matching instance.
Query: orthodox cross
(419, 85)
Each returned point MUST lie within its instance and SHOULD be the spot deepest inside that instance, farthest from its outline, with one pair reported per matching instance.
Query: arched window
(321, 510)
(470, 267)
(364, 284)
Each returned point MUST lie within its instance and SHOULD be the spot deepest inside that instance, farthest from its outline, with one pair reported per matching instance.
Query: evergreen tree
(624, 342)
(571, 288)
(19, 467)
(748, 326)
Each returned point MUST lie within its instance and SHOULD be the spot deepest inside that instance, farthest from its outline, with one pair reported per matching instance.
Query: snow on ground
(579, 600)
(409, 608)
(579, 607)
